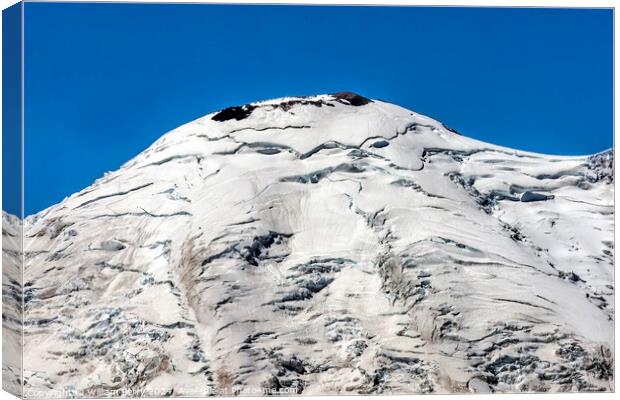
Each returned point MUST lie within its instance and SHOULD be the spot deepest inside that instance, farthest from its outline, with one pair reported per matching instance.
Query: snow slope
(323, 245)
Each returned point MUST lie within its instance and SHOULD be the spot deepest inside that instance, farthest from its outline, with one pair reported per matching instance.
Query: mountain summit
(331, 244)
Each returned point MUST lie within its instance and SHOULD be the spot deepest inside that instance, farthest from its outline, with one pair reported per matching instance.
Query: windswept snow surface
(322, 245)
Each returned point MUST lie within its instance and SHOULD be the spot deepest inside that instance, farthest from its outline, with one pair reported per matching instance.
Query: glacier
(330, 244)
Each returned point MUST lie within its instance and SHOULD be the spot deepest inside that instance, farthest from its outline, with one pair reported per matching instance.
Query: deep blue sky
(103, 81)
(11, 109)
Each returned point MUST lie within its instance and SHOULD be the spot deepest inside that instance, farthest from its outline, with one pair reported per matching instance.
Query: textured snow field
(320, 245)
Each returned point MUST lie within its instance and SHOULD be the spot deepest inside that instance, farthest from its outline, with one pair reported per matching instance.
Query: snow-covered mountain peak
(325, 244)
(303, 126)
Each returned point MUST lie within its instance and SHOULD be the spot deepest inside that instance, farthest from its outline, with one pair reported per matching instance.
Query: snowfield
(318, 245)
